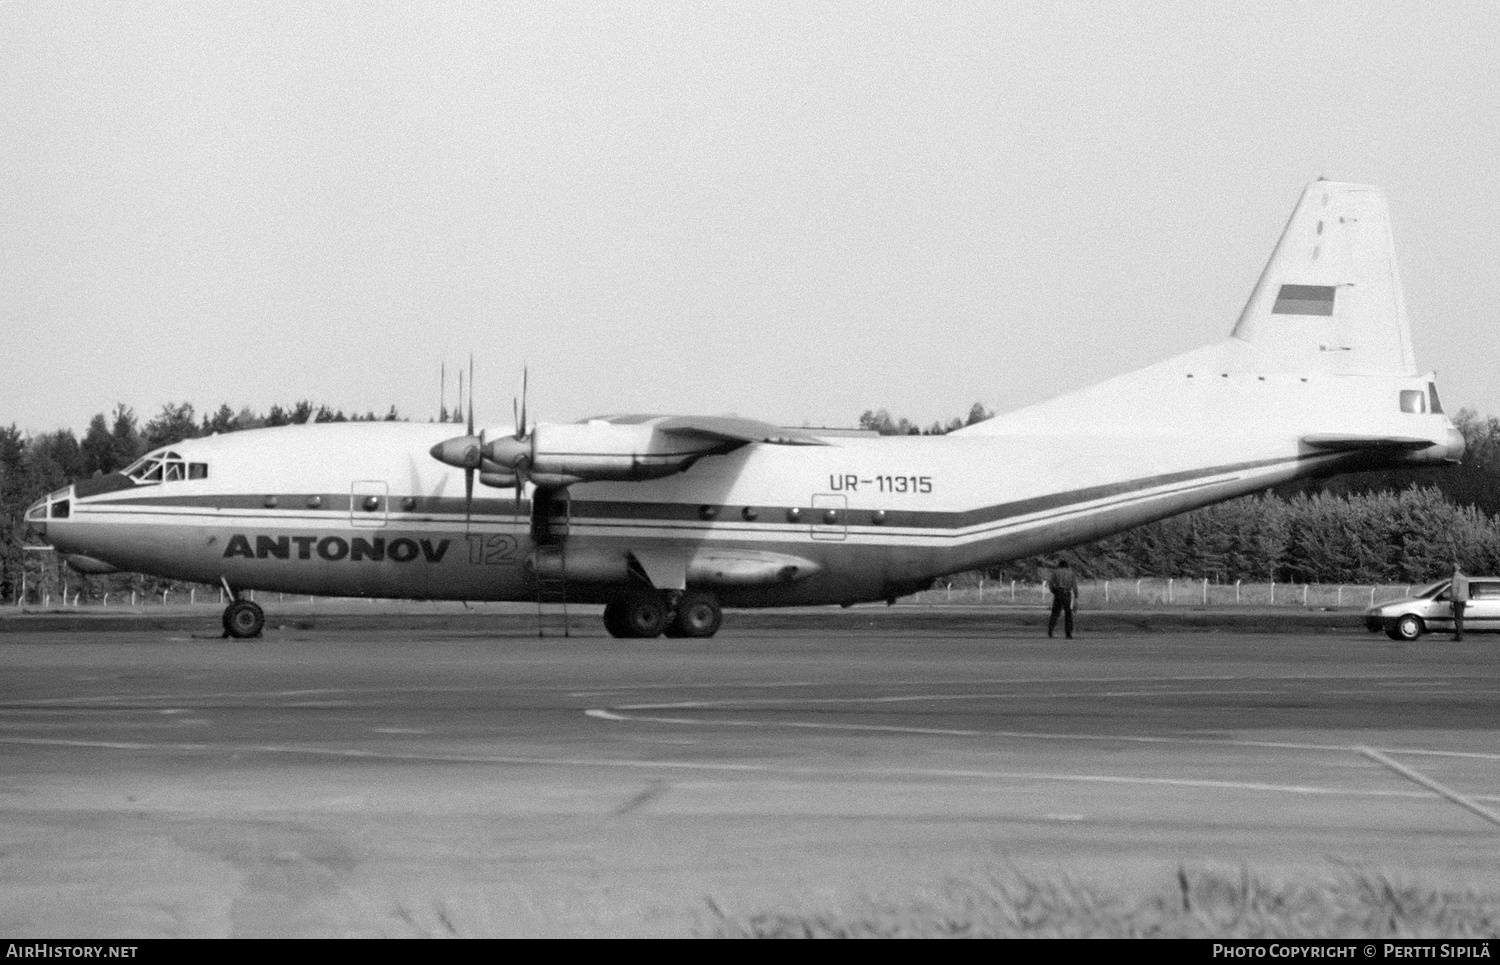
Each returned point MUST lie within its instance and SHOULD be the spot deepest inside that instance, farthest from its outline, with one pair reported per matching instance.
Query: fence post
(1012, 591)
(1205, 591)
(1137, 589)
(1170, 581)
(1237, 590)
(193, 594)
(1304, 594)
(1106, 591)
(132, 598)
(1341, 597)
(1273, 591)
(1372, 596)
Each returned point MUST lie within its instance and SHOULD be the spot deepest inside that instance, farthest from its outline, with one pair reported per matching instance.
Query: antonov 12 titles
(668, 519)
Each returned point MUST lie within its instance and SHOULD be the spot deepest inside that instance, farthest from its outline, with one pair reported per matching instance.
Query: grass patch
(1193, 904)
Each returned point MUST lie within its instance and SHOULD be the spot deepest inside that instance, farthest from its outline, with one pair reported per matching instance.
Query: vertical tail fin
(1330, 298)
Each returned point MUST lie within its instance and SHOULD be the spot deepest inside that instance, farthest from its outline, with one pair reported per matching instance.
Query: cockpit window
(165, 467)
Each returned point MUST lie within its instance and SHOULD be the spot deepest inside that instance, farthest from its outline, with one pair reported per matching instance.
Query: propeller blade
(521, 425)
(468, 497)
(471, 393)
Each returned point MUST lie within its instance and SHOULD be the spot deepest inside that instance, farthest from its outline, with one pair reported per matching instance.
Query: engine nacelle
(598, 450)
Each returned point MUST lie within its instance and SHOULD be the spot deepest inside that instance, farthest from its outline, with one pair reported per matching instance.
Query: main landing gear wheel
(243, 619)
(697, 615)
(640, 616)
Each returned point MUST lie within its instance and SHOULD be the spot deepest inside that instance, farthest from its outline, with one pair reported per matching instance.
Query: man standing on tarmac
(1064, 587)
(1458, 593)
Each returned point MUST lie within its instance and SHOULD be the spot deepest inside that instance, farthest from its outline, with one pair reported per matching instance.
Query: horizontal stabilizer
(1333, 442)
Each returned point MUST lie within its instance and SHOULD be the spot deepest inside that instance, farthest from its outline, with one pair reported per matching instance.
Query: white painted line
(1461, 800)
(1022, 734)
(723, 767)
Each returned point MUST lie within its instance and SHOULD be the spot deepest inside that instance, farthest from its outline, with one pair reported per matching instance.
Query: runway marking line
(1418, 777)
(616, 715)
(711, 767)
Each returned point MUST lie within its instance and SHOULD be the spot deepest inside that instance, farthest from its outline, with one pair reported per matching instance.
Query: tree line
(1392, 526)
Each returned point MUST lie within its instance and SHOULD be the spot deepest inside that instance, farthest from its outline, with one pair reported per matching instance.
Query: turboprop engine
(562, 454)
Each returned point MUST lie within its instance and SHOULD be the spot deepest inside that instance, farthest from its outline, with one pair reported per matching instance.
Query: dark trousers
(1458, 619)
(1062, 602)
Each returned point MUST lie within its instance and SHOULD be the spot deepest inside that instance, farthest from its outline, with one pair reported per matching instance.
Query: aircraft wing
(1336, 442)
(720, 429)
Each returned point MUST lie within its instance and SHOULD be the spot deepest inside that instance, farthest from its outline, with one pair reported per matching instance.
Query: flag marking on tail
(1304, 300)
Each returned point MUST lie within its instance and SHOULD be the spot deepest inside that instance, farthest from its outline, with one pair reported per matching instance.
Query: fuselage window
(60, 509)
(1413, 400)
(173, 471)
(1435, 406)
(197, 470)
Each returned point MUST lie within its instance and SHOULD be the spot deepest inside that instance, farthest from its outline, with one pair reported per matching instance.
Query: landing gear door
(367, 503)
(830, 516)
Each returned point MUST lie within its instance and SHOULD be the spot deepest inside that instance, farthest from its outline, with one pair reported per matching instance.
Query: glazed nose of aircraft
(56, 505)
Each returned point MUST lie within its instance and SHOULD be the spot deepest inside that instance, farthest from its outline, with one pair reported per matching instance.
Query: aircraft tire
(641, 615)
(244, 619)
(614, 621)
(698, 615)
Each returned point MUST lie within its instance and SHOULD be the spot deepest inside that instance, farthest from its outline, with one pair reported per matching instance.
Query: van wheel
(1408, 627)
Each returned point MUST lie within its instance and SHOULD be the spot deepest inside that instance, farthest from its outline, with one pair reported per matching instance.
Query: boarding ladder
(549, 531)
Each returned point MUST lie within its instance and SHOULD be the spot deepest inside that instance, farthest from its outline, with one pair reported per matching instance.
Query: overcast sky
(792, 211)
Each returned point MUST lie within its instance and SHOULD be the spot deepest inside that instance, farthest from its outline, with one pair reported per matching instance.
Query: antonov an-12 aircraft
(667, 519)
